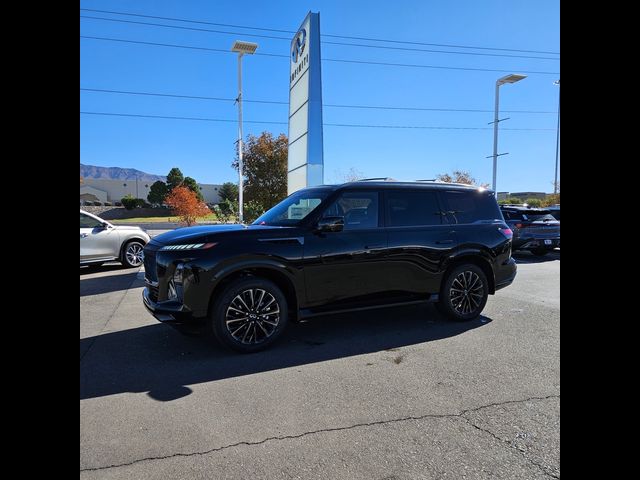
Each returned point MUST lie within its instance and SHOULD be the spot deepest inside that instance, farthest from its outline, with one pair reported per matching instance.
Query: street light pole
(512, 78)
(555, 181)
(241, 48)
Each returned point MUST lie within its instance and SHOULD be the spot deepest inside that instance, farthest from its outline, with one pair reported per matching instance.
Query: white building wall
(116, 189)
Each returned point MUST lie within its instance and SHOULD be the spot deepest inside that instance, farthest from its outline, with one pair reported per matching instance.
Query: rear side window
(412, 208)
(470, 206)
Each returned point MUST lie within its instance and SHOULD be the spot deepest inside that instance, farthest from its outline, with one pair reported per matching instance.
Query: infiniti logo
(297, 49)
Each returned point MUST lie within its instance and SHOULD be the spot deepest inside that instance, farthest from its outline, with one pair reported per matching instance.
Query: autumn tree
(184, 203)
(158, 192)
(460, 176)
(265, 169)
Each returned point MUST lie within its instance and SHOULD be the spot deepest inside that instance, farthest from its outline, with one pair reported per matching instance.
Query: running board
(308, 313)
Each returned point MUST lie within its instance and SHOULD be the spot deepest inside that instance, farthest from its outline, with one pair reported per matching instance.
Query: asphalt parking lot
(397, 393)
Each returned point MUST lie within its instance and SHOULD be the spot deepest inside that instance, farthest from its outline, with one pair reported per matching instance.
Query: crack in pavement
(333, 429)
(511, 446)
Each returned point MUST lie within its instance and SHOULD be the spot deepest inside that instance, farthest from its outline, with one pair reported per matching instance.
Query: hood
(207, 232)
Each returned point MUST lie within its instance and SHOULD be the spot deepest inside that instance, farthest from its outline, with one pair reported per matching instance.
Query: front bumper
(171, 312)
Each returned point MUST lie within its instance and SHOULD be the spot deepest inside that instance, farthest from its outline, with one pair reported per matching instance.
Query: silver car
(100, 242)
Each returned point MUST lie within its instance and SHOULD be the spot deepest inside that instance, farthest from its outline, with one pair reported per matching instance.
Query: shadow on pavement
(107, 283)
(159, 360)
(523, 256)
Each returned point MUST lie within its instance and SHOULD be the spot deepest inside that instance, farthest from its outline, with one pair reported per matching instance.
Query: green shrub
(510, 200)
(533, 202)
(129, 202)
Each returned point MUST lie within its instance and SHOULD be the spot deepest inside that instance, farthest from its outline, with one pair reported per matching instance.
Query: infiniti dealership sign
(305, 164)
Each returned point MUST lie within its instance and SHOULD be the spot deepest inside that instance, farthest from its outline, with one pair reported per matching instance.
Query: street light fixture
(512, 78)
(555, 181)
(241, 48)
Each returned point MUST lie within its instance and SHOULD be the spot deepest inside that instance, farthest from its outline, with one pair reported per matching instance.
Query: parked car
(326, 249)
(101, 241)
(534, 229)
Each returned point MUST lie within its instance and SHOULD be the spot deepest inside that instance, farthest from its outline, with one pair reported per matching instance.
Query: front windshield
(294, 208)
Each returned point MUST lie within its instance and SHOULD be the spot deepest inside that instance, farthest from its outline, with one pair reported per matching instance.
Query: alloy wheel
(252, 316)
(466, 292)
(134, 254)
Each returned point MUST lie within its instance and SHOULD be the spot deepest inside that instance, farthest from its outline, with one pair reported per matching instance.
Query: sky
(204, 150)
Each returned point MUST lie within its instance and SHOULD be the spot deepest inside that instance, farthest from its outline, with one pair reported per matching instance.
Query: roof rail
(374, 179)
(427, 180)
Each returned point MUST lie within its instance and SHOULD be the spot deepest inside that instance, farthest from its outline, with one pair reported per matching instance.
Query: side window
(412, 208)
(470, 206)
(359, 209)
(88, 222)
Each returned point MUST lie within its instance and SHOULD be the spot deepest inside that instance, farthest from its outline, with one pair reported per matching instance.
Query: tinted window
(412, 207)
(359, 209)
(88, 222)
(511, 215)
(293, 208)
(470, 206)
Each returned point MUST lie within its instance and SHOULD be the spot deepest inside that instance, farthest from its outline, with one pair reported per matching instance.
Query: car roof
(386, 184)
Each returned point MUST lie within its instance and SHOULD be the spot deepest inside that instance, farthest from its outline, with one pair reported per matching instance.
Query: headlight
(189, 246)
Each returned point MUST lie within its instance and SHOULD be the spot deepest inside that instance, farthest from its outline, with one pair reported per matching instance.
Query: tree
(460, 176)
(228, 191)
(174, 178)
(158, 192)
(192, 185)
(533, 202)
(186, 205)
(265, 169)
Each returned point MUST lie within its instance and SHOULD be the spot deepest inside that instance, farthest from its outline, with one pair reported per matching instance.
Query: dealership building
(109, 190)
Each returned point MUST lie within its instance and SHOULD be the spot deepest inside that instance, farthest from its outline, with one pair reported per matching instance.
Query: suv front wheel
(249, 315)
(464, 293)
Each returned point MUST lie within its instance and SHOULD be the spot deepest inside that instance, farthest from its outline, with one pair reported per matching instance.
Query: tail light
(506, 232)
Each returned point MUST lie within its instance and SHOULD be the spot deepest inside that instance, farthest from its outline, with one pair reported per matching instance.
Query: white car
(101, 241)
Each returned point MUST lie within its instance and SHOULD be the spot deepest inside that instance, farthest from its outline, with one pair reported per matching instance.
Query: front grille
(150, 272)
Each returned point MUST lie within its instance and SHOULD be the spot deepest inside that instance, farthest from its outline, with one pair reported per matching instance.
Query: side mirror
(330, 224)
(104, 225)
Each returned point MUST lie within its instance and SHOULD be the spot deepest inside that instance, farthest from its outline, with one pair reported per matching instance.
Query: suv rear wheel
(464, 293)
(249, 315)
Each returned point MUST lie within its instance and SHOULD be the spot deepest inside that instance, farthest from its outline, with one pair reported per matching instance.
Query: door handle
(83, 235)
(441, 242)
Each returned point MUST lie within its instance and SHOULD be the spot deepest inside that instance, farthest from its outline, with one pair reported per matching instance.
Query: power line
(377, 107)
(389, 64)
(324, 34)
(323, 41)
(201, 119)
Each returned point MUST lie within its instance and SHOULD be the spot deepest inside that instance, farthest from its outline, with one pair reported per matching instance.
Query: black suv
(328, 249)
(534, 229)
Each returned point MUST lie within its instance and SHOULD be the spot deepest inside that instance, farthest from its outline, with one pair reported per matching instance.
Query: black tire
(539, 252)
(132, 254)
(454, 303)
(266, 316)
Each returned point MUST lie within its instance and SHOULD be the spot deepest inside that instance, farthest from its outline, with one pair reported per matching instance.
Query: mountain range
(117, 173)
